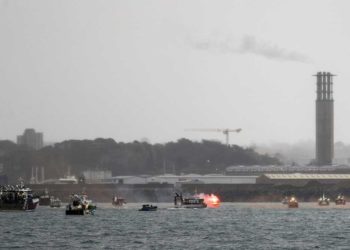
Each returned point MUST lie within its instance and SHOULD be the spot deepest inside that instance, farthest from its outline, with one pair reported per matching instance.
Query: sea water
(231, 226)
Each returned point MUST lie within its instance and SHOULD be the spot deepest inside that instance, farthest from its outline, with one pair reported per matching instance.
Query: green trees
(133, 158)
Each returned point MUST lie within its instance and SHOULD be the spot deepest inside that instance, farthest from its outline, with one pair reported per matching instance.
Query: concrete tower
(324, 119)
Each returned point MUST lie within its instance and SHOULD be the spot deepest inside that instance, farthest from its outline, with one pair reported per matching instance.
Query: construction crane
(225, 131)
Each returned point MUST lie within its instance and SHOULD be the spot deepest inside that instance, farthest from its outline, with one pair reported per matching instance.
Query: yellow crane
(225, 131)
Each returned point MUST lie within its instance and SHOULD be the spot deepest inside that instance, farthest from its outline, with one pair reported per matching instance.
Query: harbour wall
(165, 192)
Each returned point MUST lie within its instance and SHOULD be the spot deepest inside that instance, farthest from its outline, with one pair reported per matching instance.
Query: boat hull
(30, 206)
(191, 206)
(55, 204)
(149, 209)
(75, 212)
(293, 205)
(323, 203)
(44, 201)
(340, 202)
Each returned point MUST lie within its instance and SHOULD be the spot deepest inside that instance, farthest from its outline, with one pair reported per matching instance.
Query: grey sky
(150, 69)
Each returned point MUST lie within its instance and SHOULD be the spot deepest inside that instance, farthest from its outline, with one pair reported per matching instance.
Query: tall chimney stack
(324, 119)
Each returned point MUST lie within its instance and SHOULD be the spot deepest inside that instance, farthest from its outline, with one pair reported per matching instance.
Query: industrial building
(324, 119)
(259, 170)
(178, 179)
(302, 179)
(97, 176)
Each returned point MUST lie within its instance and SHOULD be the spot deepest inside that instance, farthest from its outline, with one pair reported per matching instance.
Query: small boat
(285, 200)
(293, 202)
(147, 207)
(192, 202)
(17, 198)
(55, 202)
(80, 205)
(323, 201)
(340, 200)
(118, 201)
(44, 200)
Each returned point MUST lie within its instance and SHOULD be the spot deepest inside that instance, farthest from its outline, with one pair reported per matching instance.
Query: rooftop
(308, 176)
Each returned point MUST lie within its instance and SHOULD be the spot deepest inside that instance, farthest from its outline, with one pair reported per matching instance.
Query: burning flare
(211, 200)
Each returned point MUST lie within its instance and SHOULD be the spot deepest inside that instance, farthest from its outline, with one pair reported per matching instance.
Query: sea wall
(165, 192)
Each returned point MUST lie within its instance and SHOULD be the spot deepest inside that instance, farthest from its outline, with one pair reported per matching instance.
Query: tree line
(132, 158)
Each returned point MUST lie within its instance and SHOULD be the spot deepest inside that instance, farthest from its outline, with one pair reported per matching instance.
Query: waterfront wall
(165, 192)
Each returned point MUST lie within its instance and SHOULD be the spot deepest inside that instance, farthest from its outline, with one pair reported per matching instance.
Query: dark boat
(17, 198)
(192, 202)
(147, 207)
(118, 201)
(340, 200)
(80, 205)
(44, 200)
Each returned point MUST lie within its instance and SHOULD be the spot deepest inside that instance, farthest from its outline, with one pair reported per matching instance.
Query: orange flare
(211, 200)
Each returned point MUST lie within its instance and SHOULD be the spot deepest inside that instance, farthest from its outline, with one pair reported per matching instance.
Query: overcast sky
(136, 69)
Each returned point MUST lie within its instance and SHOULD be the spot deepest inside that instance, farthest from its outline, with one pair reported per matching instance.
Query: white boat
(70, 179)
(323, 201)
(340, 200)
(285, 200)
(80, 205)
(55, 202)
(118, 201)
(191, 202)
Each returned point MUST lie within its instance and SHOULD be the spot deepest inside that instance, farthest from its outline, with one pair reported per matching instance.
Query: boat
(17, 198)
(80, 205)
(285, 200)
(323, 201)
(44, 200)
(118, 201)
(55, 202)
(192, 202)
(293, 202)
(69, 179)
(147, 207)
(340, 200)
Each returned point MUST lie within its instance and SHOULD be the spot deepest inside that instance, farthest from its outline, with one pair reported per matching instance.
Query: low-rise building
(302, 179)
(97, 176)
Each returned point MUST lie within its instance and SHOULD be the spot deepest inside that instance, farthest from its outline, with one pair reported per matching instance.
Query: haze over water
(232, 226)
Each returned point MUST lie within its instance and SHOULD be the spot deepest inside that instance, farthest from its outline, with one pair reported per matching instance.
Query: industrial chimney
(324, 119)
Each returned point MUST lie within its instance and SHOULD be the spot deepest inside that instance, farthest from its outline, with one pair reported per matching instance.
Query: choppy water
(232, 226)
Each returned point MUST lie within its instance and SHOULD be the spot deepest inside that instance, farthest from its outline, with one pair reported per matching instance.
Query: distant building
(31, 139)
(97, 176)
(179, 179)
(302, 179)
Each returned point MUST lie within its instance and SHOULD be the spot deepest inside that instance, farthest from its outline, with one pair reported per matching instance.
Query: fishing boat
(80, 205)
(285, 200)
(192, 202)
(147, 207)
(44, 200)
(323, 201)
(17, 198)
(118, 201)
(293, 202)
(340, 200)
(55, 202)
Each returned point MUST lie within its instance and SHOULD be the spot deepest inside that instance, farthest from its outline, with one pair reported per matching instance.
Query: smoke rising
(250, 45)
